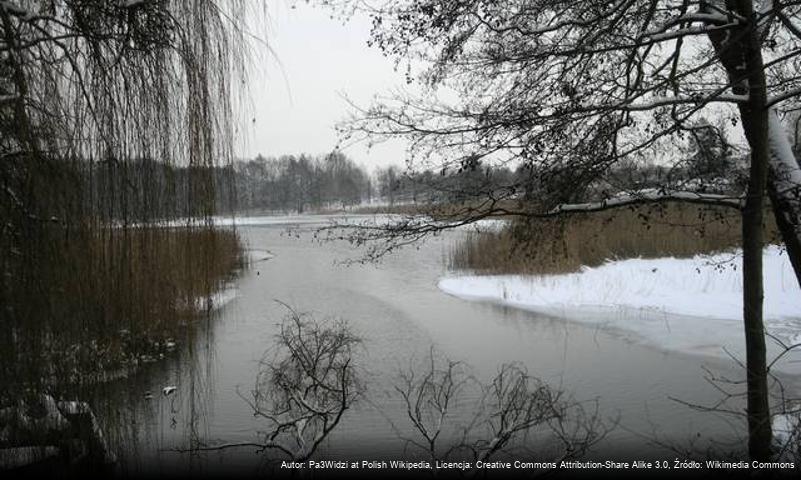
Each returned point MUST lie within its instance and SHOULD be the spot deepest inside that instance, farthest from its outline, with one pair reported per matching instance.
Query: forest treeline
(305, 182)
(145, 190)
(302, 183)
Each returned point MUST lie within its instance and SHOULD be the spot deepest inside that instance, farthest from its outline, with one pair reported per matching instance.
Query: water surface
(396, 308)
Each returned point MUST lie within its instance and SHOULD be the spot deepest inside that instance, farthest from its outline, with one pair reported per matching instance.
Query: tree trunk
(755, 125)
(739, 51)
(784, 188)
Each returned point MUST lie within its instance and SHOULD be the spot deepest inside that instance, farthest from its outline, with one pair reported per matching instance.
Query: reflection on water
(396, 308)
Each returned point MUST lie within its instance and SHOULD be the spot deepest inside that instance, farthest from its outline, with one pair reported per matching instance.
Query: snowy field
(690, 305)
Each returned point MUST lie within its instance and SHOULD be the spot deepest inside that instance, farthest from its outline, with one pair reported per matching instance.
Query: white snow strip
(260, 255)
(131, 3)
(690, 305)
(269, 220)
(217, 300)
(492, 225)
(303, 219)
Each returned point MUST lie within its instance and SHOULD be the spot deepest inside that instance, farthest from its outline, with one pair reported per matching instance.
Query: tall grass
(562, 245)
(109, 299)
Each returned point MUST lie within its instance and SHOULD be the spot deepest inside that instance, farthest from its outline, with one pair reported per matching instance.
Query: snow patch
(260, 255)
(490, 225)
(690, 305)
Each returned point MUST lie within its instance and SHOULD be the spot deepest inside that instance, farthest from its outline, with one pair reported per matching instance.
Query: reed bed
(107, 299)
(565, 244)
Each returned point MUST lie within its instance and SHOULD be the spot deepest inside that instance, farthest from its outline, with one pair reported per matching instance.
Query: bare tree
(570, 89)
(307, 383)
(512, 405)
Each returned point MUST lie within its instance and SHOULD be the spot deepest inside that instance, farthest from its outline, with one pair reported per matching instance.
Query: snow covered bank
(683, 304)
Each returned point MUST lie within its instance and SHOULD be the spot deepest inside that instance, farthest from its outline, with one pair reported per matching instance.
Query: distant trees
(426, 187)
(298, 183)
(389, 183)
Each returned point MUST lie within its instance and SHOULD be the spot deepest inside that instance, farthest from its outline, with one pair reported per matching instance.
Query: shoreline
(689, 305)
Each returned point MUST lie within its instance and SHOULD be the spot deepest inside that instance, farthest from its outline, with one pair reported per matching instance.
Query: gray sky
(296, 95)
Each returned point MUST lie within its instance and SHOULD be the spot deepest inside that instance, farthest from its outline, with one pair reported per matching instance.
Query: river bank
(692, 305)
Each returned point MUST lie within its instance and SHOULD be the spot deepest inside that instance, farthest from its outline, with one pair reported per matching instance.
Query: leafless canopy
(567, 92)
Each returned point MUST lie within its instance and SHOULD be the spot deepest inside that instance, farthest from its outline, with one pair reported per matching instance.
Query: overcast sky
(297, 95)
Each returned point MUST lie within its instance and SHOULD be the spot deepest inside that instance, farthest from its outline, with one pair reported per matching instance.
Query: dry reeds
(112, 298)
(564, 244)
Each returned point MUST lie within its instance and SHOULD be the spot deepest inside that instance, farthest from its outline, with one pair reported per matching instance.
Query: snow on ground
(307, 219)
(691, 305)
(492, 225)
(271, 220)
(336, 219)
(351, 220)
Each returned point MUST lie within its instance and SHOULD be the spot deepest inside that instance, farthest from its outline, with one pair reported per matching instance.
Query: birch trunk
(784, 189)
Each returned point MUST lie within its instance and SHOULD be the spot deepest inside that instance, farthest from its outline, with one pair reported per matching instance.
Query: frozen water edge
(260, 255)
(691, 305)
(217, 300)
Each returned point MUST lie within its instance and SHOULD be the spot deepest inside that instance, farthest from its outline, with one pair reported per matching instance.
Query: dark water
(399, 312)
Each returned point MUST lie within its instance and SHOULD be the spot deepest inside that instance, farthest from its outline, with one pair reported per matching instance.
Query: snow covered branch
(650, 197)
(131, 3)
(684, 32)
(783, 96)
(680, 100)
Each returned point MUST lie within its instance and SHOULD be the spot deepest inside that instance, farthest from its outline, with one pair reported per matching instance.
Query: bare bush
(306, 383)
(430, 397)
(309, 383)
(507, 413)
